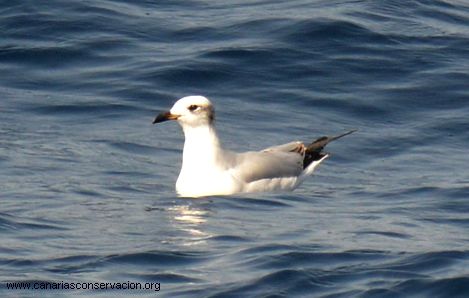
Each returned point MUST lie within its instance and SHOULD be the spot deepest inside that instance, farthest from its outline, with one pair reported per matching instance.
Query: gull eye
(193, 108)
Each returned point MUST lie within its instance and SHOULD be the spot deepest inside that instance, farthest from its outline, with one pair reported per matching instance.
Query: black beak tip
(159, 118)
(162, 117)
(156, 120)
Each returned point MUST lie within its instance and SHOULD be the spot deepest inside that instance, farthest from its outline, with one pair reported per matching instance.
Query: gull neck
(201, 144)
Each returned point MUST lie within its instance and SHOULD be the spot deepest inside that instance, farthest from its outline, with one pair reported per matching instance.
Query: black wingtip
(320, 143)
(343, 135)
(314, 150)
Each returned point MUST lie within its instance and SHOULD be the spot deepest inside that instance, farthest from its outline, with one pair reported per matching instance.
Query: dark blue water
(87, 183)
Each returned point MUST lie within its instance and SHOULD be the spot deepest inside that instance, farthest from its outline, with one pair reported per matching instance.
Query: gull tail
(314, 150)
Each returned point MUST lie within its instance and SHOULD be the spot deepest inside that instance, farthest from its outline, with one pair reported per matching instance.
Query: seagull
(208, 169)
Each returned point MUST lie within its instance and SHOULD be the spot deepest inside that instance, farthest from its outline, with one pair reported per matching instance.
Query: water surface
(87, 183)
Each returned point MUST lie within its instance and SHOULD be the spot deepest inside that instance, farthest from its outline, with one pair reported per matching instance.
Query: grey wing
(267, 164)
(288, 147)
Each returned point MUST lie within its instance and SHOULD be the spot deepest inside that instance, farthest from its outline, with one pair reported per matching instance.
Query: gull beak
(165, 116)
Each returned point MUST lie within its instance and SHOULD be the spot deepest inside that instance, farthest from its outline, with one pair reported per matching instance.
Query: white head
(190, 111)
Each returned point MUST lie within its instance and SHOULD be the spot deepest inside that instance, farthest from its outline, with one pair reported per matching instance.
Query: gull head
(189, 111)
